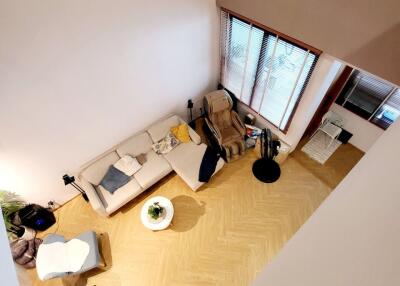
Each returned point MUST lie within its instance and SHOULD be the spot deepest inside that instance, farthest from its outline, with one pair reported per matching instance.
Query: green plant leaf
(10, 203)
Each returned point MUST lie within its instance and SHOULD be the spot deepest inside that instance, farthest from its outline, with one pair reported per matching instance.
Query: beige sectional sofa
(185, 160)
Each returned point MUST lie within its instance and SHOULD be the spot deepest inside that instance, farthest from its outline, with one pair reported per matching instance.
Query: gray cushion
(52, 237)
(114, 179)
(93, 259)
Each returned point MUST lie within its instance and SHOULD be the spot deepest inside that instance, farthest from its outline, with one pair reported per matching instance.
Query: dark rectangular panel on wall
(329, 98)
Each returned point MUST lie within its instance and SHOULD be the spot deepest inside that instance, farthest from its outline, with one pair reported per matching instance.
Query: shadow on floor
(187, 213)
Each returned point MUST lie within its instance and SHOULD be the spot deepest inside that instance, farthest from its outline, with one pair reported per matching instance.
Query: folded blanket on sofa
(208, 164)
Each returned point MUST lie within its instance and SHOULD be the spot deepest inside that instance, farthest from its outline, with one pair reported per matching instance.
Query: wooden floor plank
(222, 235)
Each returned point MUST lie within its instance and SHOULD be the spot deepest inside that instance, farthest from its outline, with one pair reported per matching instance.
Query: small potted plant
(10, 203)
(156, 212)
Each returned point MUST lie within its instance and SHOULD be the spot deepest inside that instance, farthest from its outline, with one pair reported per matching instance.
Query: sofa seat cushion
(135, 145)
(186, 159)
(95, 172)
(155, 168)
(120, 197)
(160, 129)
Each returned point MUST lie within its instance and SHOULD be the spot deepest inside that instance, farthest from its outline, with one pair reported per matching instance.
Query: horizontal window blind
(224, 46)
(389, 110)
(287, 69)
(265, 71)
(236, 46)
(371, 98)
(373, 86)
(255, 43)
(304, 77)
(266, 61)
(366, 94)
(394, 100)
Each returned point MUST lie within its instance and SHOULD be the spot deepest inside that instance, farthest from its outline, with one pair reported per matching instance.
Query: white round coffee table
(165, 222)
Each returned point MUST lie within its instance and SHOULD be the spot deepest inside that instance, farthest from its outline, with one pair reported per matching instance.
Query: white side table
(157, 225)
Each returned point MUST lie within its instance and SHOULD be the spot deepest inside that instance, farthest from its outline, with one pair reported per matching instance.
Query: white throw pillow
(128, 165)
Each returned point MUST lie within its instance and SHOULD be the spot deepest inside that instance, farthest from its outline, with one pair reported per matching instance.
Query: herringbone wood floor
(221, 235)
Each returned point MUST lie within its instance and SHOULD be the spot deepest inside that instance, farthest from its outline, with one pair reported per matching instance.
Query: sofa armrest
(237, 122)
(194, 136)
(94, 199)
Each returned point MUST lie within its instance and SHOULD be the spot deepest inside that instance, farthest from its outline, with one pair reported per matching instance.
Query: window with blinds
(265, 70)
(371, 98)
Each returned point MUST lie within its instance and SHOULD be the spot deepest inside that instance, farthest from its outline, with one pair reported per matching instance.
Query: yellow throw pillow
(181, 132)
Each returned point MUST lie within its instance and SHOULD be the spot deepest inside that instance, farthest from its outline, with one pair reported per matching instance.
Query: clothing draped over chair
(208, 164)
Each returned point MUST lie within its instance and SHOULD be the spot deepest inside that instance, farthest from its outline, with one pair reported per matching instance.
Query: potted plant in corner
(10, 203)
(156, 212)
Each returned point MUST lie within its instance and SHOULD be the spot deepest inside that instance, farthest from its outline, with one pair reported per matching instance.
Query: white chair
(328, 128)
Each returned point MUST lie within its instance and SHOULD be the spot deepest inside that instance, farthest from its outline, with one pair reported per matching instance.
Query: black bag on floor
(35, 217)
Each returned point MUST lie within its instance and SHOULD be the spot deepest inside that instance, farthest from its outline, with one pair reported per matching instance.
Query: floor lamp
(70, 180)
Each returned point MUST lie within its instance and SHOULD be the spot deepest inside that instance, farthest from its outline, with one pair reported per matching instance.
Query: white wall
(322, 77)
(364, 33)
(79, 76)
(353, 237)
(364, 133)
(7, 270)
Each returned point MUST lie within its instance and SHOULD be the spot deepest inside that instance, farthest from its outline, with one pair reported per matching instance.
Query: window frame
(269, 31)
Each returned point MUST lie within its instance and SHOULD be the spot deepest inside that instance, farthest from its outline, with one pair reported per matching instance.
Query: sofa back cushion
(135, 145)
(95, 172)
(160, 129)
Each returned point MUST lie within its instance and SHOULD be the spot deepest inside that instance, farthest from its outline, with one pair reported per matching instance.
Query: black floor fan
(266, 169)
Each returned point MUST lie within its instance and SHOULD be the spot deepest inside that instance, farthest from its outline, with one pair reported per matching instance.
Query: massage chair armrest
(94, 198)
(237, 123)
(214, 130)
